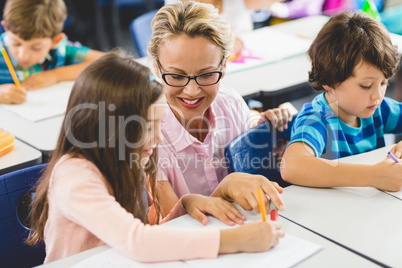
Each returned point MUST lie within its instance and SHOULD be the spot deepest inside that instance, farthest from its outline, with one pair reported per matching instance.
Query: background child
(37, 48)
(352, 60)
(94, 190)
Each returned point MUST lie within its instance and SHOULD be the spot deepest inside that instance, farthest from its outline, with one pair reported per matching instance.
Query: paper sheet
(111, 258)
(290, 251)
(44, 103)
(267, 45)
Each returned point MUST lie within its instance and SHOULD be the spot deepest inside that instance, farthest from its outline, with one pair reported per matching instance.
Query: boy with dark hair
(352, 60)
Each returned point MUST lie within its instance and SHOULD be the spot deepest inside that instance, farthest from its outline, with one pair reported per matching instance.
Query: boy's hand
(198, 205)
(242, 189)
(397, 150)
(40, 80)
(387, 175)
(11, 94)
(279, 117)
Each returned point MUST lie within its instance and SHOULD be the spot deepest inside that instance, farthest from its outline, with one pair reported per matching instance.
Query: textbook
(6, 142)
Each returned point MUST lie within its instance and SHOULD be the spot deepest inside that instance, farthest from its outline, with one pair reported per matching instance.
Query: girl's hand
(253, 237)
(279, 117)
(242, 189)
(11, 94)
(40, 80)
(198, 205)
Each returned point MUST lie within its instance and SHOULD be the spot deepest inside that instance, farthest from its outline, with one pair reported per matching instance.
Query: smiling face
(28, 52)
(359, 95)
(189, 56)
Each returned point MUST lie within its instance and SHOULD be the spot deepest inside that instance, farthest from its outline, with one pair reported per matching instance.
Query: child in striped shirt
(352, 60)
(39, 52)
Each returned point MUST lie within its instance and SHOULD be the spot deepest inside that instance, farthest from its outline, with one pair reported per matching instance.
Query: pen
(10, 67)
(393, 157)
(273, 211)
(261, 203)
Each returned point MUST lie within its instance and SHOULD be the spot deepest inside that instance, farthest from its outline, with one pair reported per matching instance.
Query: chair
(15, 197)
(258, 151)
(140, 29)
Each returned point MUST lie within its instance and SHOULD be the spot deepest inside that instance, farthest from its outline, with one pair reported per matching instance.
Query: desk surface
(21, 157)
(41, 135)
(289, 72)
(364, 219)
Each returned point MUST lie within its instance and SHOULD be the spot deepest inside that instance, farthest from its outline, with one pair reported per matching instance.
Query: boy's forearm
(318, 172)
(68, 73)
(71, 72)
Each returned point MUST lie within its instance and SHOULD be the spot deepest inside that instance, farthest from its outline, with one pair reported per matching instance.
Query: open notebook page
(44, 103)
(290, 251)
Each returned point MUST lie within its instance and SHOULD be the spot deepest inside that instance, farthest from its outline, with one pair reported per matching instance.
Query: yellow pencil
(10, 67)
(261, 203)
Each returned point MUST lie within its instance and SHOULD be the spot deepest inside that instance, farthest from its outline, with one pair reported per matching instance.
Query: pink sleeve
(83, 198)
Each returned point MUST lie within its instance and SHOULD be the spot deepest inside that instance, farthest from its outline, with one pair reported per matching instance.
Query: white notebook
(44, 103)
(290, 251)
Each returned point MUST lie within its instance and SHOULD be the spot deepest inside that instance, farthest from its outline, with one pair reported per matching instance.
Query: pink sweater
(83, 214)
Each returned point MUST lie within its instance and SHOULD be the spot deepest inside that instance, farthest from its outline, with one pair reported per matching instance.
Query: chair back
(141, 31)
(258, 150)
(15, 197)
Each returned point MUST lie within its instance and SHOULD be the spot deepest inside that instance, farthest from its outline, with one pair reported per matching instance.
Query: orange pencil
(10, 67)
(261, 203)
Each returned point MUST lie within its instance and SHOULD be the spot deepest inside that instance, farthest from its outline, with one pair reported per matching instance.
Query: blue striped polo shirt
(65, 53)
(330, 138)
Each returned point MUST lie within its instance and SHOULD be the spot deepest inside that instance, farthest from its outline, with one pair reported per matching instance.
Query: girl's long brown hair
(118, 87)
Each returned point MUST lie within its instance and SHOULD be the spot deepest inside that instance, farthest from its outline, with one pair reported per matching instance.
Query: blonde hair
(192, 19)
(35, 18)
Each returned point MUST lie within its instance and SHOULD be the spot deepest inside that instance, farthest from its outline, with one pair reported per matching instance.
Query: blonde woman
(189, 47)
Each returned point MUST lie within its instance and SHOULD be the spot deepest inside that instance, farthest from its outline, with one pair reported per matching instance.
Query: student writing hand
(40, 80)
(397, 150)
(11, 94)
(252, 237)
(242, 189)
(279, 117)
(198, 205)
(387, 175)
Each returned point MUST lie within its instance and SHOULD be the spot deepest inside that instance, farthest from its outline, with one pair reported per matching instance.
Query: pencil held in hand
(10, 67)
(260, 195)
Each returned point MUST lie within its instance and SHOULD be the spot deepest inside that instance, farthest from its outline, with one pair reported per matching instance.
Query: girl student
(101, 178)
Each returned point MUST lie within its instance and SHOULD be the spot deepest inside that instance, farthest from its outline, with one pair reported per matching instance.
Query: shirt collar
(177, 136)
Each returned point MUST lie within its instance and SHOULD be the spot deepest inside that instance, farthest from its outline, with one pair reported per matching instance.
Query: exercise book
(43, 103)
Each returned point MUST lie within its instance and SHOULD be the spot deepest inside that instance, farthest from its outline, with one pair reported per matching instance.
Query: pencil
(261, 203)
(10, 67)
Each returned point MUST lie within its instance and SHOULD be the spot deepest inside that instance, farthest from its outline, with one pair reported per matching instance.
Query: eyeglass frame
(194, 77)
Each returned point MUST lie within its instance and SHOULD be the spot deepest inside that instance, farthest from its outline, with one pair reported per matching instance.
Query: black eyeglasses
(180, 80)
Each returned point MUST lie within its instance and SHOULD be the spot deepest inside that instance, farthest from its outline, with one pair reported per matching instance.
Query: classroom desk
(331, 255)
(363, 219)
(41, 135)
(285, 80)
(21, 157)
